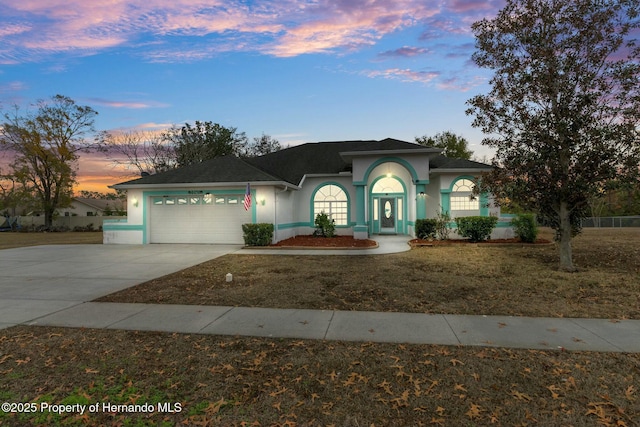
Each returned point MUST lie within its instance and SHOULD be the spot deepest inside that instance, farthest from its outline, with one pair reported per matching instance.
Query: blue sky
(300, 71)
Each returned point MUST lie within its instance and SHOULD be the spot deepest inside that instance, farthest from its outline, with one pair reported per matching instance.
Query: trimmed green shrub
(257, 234)
(476, 228)
(325, 226)
(525, 227)
(426, 228)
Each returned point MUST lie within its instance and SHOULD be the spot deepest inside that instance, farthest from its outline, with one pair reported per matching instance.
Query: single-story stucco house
(368, 187)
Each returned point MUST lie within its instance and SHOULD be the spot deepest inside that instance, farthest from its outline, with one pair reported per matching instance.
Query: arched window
(463, 201)
(387, 185)
(333, 201)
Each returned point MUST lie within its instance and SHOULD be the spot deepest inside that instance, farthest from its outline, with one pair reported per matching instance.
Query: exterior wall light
(261, 200)
(134, 202)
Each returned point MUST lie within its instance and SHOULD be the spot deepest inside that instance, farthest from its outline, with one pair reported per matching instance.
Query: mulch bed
(326, 242)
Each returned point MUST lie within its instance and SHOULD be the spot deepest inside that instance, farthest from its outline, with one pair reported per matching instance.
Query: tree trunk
(566, 257)
(48, 218)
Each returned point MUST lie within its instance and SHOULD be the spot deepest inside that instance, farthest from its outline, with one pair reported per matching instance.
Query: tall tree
(453, 145)
(45, 145)
(138, 152)
(205, 140)
(564, 105)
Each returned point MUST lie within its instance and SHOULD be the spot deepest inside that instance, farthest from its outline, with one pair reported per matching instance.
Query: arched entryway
(388, 205)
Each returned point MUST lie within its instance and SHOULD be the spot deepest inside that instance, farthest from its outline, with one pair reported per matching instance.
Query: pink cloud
(349, 24)
(15, 86)
(405, 75)
(126, 104)
(276, 27)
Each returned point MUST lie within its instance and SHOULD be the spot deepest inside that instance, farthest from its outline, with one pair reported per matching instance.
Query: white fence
(612, 221)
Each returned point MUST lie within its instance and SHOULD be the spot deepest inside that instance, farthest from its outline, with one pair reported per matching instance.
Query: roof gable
(291, 164)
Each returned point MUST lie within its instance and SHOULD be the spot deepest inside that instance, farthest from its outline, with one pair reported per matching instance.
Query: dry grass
(10, 240)
(521, 280)
(231, 381)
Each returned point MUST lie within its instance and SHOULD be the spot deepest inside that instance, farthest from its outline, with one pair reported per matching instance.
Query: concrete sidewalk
(494, 331)
(390, 244)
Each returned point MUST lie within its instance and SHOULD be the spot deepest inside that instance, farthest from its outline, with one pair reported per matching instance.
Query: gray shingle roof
(442, 162)
(290, 164)
(293, 163)
(219, 169)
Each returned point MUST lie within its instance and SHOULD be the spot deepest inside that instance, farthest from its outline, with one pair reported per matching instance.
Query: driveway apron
(39, 280)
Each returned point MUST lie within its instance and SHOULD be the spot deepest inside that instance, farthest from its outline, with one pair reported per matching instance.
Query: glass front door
(387, 215)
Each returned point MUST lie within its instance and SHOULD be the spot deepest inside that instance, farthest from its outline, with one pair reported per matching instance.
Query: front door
(387, 215)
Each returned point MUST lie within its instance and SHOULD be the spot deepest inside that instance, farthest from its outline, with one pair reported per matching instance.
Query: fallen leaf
(474, 411)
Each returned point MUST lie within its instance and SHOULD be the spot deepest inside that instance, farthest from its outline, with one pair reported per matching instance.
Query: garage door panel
(198, 223)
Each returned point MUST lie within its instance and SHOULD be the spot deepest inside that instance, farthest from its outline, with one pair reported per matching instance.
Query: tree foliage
(138, 151)
(263, 144)
(453, 145)
(564, 105)
(45, 146)
(204, 141)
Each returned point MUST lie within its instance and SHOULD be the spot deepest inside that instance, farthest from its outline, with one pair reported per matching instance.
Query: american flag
(247, 198)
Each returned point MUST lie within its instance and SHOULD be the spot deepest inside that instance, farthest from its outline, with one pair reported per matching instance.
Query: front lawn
(519, 280)
(231, 381)
(12, 239)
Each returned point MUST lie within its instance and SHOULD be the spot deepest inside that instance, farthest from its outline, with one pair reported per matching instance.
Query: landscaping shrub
(257, 234)
(476, 228)
(325, 226)
(525, 227)
(442, 225)
(426, 228)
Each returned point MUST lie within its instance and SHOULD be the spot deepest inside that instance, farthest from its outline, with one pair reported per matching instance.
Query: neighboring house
(367, 187)
(81, 206)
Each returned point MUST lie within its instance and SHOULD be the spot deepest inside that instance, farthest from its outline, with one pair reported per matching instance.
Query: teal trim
(312, 218)
(401, 225)
(445, 201)
(499, 224)
(360, 197)
(293, 225)
(484, 204)
(122, 227)
(472, 178)
(421, 202)
(406, 164)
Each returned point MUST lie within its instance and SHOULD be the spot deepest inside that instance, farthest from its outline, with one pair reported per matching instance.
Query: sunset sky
(300, 71)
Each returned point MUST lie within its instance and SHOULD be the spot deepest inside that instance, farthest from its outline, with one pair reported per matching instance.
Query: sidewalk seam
(216, 319)
(444, 316)
(596, 335)
(333, 313)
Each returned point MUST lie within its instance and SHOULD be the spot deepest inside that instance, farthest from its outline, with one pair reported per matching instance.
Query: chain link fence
(612, 221)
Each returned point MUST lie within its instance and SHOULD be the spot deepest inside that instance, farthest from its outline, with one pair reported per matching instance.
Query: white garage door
(198, 219)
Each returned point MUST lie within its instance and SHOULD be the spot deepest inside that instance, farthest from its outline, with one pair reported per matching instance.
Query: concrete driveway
(40, 280)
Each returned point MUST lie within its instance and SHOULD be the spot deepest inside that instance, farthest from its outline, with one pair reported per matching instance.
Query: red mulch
(421, 242)
(327, 242)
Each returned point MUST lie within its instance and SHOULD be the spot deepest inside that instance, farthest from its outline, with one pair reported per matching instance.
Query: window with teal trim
(331, 200)
(463, 201)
